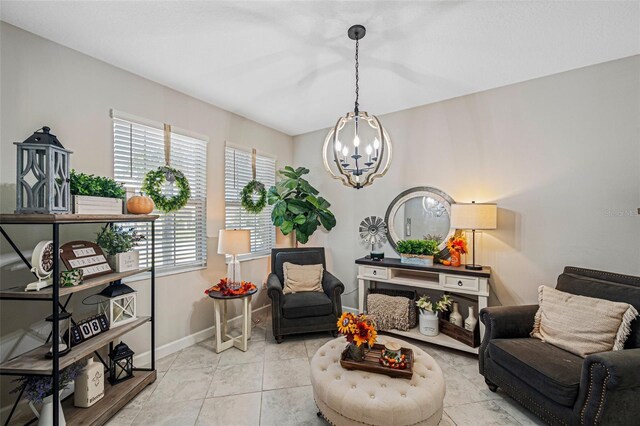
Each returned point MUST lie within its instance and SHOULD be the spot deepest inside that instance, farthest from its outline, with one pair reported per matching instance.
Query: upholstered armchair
(559, 387)
(303, 312)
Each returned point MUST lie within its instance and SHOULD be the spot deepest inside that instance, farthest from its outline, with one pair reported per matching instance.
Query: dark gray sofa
(559, 387)
(308, 311)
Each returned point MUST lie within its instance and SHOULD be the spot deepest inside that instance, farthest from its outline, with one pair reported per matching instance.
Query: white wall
(43, 83)
(560, 155)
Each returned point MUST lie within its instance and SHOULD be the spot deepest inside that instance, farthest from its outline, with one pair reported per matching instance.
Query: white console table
(455, 280)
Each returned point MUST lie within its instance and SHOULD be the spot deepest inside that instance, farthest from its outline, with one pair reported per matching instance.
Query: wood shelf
(47, 293)
(440, 339)
(34, 361)
(115, 397)
(43, 219)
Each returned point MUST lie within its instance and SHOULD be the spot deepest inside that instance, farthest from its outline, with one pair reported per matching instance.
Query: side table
(223, 340)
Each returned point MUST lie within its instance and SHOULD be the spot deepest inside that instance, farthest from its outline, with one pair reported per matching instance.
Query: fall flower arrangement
(226, 290)
(458, 244)
(358, 329)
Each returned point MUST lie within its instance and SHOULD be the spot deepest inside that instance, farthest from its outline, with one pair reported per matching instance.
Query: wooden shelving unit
(34, 362)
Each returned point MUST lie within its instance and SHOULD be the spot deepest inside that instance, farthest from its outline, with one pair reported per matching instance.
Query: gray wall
(560, 155)
(43, 83)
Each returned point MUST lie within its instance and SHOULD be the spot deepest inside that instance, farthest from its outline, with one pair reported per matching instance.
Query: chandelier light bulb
(345, 151)
(338, 146)
(369, 150)
(356, 141)
(376, 144)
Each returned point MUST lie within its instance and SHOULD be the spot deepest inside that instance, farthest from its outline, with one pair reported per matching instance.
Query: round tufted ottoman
(354, 397)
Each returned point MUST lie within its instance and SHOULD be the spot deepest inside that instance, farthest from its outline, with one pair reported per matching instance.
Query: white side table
(225, 341)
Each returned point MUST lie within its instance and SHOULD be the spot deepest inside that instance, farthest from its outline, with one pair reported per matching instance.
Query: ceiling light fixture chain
(369, 155)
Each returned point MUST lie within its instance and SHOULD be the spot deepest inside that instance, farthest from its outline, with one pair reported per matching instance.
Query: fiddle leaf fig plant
(297, 206)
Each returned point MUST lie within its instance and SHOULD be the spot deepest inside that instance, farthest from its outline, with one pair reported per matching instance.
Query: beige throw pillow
(581, 325)
(299, 278)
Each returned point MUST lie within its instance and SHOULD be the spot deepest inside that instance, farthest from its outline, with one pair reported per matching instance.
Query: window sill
(147, 275)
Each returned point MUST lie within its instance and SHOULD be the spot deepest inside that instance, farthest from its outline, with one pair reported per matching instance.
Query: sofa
(559, 387)
(303, 312)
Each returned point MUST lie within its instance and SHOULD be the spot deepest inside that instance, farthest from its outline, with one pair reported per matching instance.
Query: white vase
(89, 385)
(45, 416)
(471, 321)
(455, 317)
(429, 323)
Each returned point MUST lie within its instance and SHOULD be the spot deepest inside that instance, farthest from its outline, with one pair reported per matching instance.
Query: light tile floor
(269, 385)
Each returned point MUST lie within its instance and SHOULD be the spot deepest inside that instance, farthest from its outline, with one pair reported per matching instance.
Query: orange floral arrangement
(458, 244)
(357, 328)
(224, 288)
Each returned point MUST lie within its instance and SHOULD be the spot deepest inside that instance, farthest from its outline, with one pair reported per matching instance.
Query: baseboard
(144, 359)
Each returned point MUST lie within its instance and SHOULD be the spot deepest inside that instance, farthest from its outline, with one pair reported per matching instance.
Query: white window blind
(238, 173)
(180, 236)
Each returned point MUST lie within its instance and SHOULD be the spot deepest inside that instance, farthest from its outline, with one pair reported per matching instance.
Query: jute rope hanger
(253, 163)
(167, 144)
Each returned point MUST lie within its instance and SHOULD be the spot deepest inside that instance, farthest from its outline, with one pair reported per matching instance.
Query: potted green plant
(429, 325)
(417, 252)
(95, 194)
(297, 207)
(118, 244)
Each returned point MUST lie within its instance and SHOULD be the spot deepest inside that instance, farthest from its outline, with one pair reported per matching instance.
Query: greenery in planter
(418, 247)
(297, 206)
(95, 186)
(115, 239)
(442, 305)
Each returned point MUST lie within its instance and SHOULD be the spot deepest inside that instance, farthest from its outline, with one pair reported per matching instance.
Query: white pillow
(299, 278)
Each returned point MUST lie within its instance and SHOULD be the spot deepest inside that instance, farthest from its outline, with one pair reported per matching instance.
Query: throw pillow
(299, 278)
(581, 325)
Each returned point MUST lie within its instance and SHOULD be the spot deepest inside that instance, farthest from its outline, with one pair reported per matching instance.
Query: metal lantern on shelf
(120, 363)
(42, 174)
(63, 338)
(119, 304)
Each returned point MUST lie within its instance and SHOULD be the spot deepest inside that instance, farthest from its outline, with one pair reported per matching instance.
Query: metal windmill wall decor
(373, 231)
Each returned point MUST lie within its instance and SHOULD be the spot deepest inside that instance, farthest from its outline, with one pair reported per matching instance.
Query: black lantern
(42, 174)
(64, 335)
(120, 363)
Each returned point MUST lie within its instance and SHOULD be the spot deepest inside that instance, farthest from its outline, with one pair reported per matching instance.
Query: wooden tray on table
(372, 363)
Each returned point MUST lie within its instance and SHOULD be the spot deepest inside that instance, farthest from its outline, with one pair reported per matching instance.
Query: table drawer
(461, 283)
(374, 272)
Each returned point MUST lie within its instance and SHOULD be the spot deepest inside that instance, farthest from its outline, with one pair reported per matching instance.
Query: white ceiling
(289, 65)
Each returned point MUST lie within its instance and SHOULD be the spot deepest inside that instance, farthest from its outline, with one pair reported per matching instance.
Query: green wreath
(254, 187)
(152, 186)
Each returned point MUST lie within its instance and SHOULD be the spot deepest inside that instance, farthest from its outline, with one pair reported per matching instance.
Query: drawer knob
(460, 283)
(375, 272)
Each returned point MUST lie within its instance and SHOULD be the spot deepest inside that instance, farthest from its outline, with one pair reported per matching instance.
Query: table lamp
(234, 242)
(474, 216)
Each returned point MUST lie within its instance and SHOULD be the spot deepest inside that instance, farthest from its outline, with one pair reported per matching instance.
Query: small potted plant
(417, 252)
(429, 325)
(118, 243)
(39, 390)
(95, 194)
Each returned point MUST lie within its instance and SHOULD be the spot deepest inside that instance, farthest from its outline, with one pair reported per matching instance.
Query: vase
(455, 317)
(471, 321)
(429, 325)
(455, 257)
(45, 416)
(355, 352)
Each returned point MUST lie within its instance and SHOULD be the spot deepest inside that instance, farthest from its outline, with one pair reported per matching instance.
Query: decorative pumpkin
(139, 204)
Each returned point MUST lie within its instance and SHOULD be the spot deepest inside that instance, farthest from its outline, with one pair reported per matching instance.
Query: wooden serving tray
(372, 364)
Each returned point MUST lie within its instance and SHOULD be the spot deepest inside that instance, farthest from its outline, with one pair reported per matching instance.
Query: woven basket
(411, 295)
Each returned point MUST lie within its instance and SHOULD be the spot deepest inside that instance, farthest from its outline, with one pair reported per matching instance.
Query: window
(238, 173)
(138, 146)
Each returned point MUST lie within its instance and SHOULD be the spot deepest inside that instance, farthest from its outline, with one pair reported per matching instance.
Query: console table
(454, 280)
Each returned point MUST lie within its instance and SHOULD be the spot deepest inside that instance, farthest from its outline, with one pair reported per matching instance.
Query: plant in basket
(359, 331)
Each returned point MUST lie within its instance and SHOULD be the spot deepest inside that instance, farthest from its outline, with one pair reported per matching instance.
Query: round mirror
(421, 213)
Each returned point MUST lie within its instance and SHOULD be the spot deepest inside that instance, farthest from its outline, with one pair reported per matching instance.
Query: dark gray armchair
(559, 387)
(307, 311)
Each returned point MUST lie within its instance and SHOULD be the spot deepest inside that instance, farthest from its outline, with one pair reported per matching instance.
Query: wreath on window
(152, 186)
(254, 188)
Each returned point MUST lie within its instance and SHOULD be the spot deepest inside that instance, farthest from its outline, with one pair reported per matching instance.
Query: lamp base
(473, 267)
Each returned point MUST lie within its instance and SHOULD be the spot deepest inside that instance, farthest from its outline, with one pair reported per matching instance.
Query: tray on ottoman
(372, 363)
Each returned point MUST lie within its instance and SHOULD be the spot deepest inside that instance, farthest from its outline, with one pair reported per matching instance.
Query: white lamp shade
(234, 241)
(474, 216)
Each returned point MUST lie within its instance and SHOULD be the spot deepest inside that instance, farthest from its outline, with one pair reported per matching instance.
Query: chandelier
(367, 155)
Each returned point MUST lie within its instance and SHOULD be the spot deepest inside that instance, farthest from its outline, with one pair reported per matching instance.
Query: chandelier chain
(357, 78)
